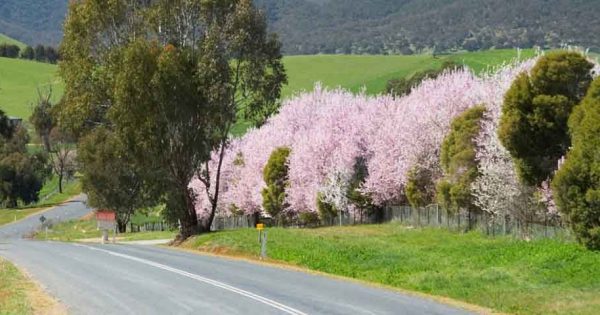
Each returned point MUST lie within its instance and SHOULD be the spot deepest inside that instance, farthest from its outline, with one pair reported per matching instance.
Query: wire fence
(546, 226)
(150, 227)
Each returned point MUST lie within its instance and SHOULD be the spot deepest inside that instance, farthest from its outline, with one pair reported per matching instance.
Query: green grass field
(19, 82)
(20, 79)
(12, 215)
(539, 277)
(373, 72)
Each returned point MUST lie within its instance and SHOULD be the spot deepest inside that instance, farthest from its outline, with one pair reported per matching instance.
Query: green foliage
(420, 188)
(41, 118)
(28, 53)
(309, 218)
(109, 176)
(9, 51)
(362, 201)
(403, 86)
(326, 210)
(458, 161)
(576, 185)
(170, 96)
(22, 175)
(497, 273)
(536, 109)
(275, 175)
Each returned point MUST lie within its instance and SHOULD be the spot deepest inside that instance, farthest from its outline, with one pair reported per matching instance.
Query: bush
(576, 185)
(309, 218)
(536, 109)
(327, 211)
(22, 175)
(275, 175)
(458, 161)
(420, 188)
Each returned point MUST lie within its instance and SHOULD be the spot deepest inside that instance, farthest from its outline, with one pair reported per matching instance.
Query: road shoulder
(20, 293)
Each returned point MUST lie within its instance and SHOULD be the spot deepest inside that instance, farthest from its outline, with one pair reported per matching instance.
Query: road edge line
(287, 266)
(215, 283)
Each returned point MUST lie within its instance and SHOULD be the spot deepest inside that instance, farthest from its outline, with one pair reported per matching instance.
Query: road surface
(130, 279)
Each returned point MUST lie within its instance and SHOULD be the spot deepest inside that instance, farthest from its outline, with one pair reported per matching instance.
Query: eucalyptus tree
(171, 78)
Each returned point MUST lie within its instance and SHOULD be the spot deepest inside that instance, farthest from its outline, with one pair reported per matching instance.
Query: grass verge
(20, 295)
(85, 229)
(13, 215)
(541, 277)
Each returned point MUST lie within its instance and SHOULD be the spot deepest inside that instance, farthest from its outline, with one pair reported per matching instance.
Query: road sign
(260, 226)
(42, 219)
(107, 221)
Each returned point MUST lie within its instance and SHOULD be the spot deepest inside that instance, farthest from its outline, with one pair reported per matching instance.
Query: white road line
(215, 283)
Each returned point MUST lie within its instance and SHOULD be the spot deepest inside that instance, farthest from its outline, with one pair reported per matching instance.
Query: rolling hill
(7, 40)
(19, 79)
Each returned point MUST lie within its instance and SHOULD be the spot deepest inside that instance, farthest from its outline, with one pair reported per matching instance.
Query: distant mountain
(33, 21)
(410, 26)
(377, 26)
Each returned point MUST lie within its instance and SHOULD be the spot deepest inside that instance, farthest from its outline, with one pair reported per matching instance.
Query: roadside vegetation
(19, 295)
(86, 229)
(505, 274)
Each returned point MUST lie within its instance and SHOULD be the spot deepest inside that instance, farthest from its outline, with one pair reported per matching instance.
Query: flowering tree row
(327, 130)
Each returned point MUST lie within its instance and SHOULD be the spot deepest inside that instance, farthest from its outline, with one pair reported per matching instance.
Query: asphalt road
(128, 279)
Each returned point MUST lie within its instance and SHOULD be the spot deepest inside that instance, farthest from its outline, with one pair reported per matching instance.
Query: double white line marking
(218, 284)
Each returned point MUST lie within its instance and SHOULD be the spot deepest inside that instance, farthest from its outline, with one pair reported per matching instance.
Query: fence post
(545, 225)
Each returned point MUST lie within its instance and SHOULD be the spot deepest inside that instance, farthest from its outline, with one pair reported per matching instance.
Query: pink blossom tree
(327, 130)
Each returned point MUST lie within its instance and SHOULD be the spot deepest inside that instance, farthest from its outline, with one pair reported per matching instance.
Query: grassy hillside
(355, 72)
(7, 40)
(537, 277)
(19, 80)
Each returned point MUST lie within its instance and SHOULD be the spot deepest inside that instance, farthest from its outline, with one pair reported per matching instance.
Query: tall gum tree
(171, 78)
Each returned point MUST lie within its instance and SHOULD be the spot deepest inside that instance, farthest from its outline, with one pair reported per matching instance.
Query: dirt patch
(89, 216)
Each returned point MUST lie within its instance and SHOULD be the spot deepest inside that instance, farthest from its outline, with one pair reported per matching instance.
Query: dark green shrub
(458, 161)
(420, 188)
(327, 211)
(275, 175)
(536, 110)
(576, 185)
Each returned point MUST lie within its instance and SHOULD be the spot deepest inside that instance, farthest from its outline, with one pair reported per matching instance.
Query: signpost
(107, 221)
(262, 239)
(43, 220)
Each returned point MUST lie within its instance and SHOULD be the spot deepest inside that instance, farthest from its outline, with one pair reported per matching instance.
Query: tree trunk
(189, 221)
(189, 226)
(46, 140)
(60, 181)
(121, 226)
